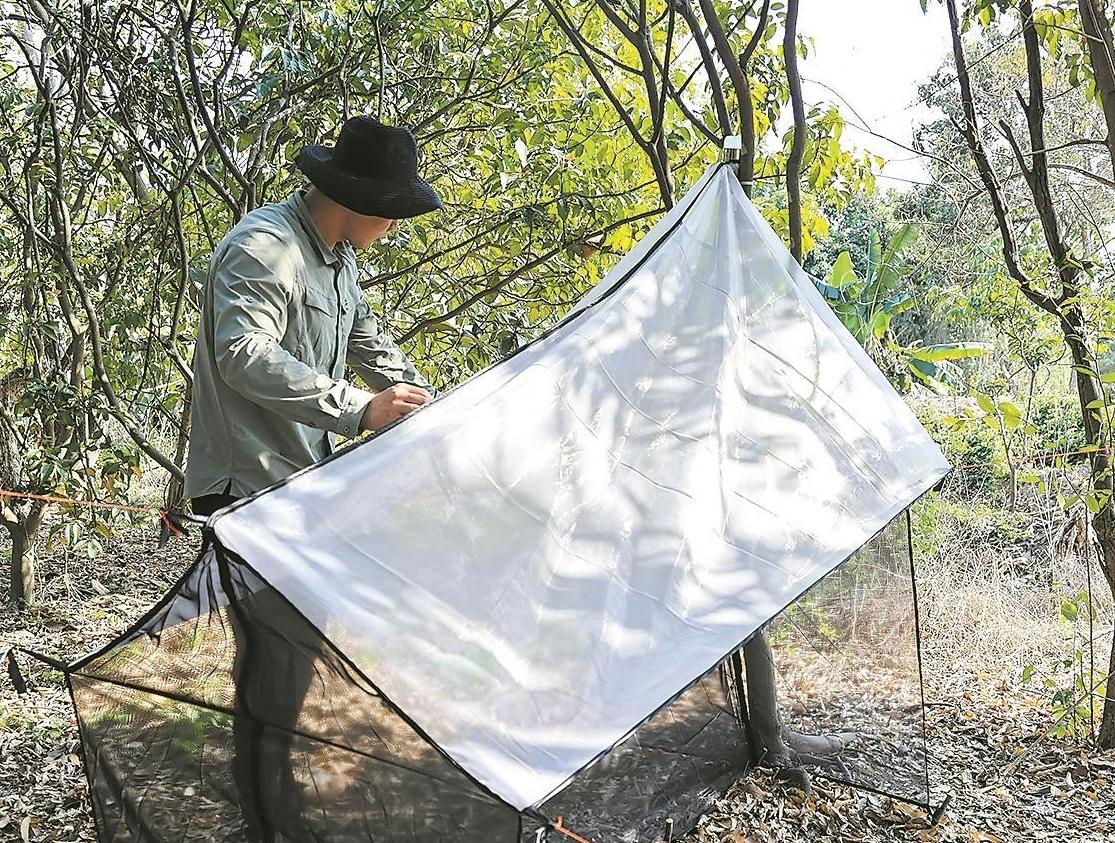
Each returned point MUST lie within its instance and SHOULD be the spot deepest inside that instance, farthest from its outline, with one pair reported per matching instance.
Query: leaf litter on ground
(991, 751)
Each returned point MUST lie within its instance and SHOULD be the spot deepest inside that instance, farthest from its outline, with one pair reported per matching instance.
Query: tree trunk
(1089, 391)
(756, 693)
(762, 704)
(1101, 55)
(175, 496)
(797, 146)
(1103, 526)
(756, 688)
(23, 528)
(1106, 736)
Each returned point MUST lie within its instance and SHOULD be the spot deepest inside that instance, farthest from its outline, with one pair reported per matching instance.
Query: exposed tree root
(785, 751)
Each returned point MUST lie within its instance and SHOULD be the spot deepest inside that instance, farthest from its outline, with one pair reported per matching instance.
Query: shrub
(1060, 429)
(972, 447)
(942, 526)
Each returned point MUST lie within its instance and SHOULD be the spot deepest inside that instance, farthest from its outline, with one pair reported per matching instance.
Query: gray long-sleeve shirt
(281, 315)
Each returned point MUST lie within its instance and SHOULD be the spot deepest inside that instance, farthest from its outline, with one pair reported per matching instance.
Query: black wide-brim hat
(373, 170)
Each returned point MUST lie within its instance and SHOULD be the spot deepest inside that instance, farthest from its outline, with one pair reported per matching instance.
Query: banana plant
(868, 304)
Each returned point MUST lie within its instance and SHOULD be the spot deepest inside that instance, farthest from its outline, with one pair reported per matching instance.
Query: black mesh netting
(673, 767)
(214, 723)
(846, 661)
(218, 722)
(211, 724)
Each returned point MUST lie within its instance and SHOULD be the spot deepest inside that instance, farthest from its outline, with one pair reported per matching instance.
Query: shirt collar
(328, 254)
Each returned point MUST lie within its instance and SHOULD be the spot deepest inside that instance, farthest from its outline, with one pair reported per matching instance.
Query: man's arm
(252, 289)
(376, 358)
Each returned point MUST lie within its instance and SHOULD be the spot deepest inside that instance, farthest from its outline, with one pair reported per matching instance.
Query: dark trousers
(206, 505)
(276, 652)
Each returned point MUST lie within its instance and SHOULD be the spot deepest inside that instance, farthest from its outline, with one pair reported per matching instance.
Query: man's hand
(391, 404)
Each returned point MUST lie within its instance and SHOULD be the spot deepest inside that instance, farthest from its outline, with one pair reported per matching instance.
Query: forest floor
(996, 747)
(1007, 780)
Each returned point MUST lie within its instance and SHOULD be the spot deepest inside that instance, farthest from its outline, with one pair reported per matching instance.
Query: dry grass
(990, 597)
(993, 605)
(987, 627)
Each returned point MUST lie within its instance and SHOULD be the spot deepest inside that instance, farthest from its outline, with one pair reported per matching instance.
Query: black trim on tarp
(917, 645)
(146, 618)
(744, 643)
(571, 317)
(348, 662)
(532, 811)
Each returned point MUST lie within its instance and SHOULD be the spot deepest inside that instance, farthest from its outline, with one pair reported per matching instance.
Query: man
(281, 315)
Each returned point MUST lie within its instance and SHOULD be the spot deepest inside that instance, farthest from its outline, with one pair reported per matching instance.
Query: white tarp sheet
(533, 564)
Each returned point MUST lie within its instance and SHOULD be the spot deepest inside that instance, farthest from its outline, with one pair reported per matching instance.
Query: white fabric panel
(533, 564)
(639, 251)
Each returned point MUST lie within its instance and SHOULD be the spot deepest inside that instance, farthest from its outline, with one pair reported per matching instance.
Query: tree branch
(797, 146)
(969, 129)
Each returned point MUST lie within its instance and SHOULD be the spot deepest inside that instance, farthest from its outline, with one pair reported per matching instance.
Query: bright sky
(871, 55)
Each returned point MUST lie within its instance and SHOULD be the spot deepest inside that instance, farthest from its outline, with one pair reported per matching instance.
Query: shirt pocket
(318, 340)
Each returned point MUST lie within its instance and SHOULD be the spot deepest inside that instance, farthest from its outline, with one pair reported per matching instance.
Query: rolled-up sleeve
(253, 288)
(376, 358)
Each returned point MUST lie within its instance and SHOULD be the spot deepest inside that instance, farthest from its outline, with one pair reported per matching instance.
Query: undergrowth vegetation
(1012, 594)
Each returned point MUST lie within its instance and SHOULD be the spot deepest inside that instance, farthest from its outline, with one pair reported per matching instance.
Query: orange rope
(163, 514)
(572, 835)
(1031, 457)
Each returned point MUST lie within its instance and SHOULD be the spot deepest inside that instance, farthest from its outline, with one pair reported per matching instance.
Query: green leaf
(880, 322)
(927, 374)
(899, 241)
(899, 304)
(986, 404)
(884, 275)
(842, 274)
(873, 255)
(950, 351)
(924, 369)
